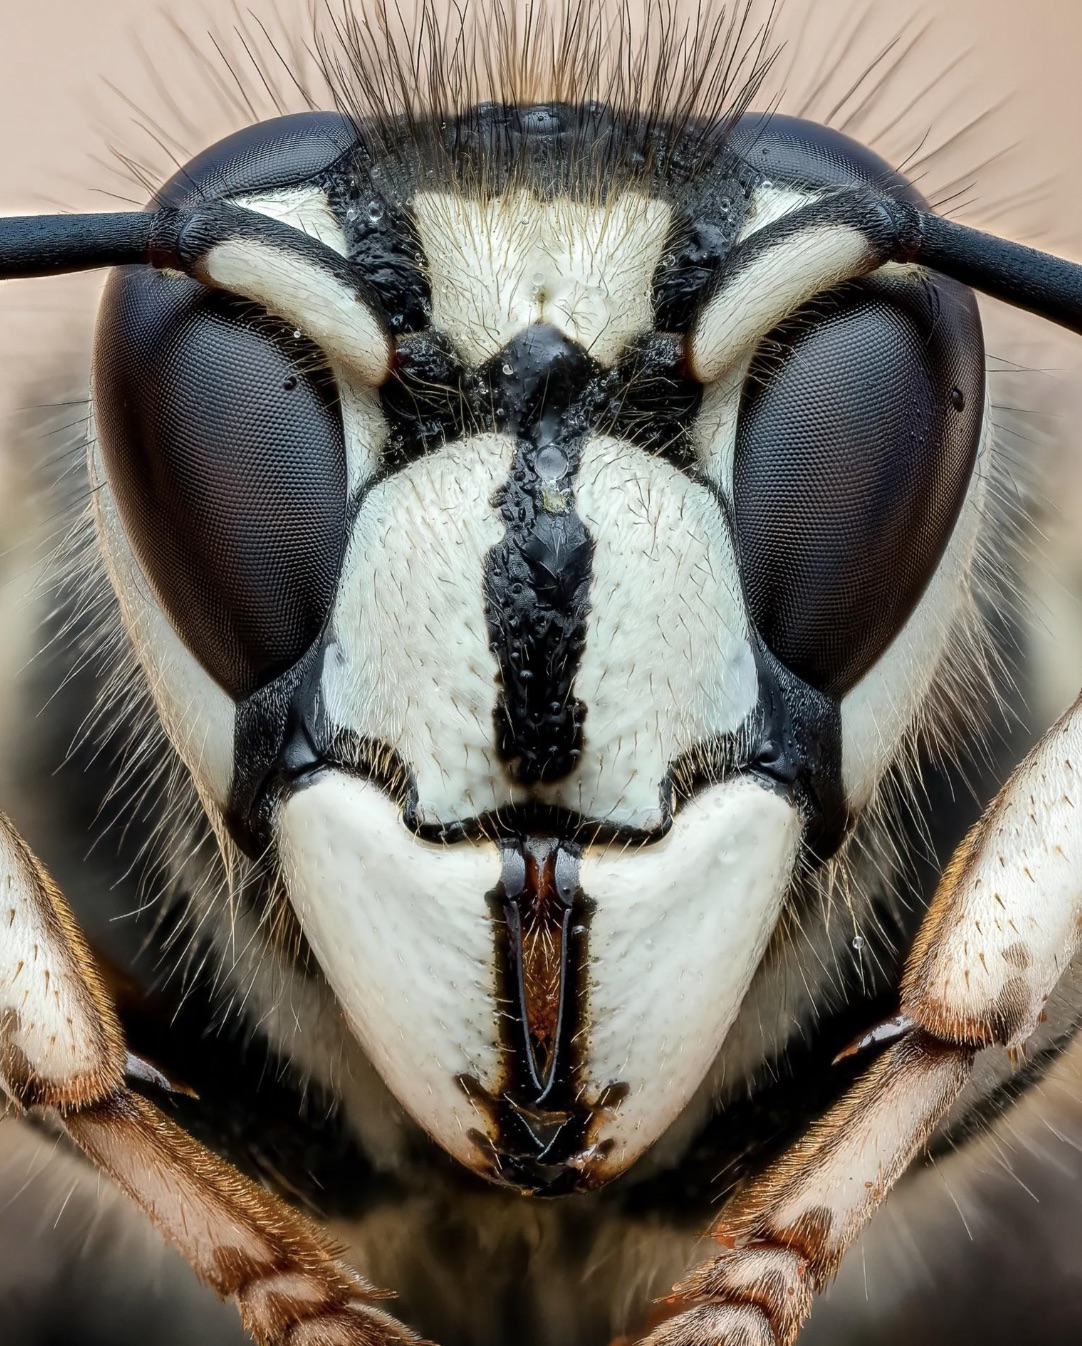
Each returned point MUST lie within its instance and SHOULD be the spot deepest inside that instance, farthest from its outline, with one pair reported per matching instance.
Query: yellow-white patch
(496, 266)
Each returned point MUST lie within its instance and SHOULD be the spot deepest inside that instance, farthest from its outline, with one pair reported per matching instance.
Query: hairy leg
(62, 1052)
(1004, 924)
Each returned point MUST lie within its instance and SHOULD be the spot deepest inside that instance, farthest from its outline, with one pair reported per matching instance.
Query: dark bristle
(649, 68)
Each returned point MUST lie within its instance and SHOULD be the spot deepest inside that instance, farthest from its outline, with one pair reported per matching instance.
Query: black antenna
(45, 245)
(49, 245)
(1036, 281)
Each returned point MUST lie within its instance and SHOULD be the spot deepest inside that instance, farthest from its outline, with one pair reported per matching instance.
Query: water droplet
(508, 370)
(375, 212)
(958, 399)
(858, 943)
(551, 463)
(296, 334)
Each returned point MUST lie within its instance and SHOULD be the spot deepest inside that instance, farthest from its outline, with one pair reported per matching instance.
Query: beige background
(1017, 169)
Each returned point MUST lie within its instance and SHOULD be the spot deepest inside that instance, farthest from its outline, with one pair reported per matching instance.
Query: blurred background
(981, 100)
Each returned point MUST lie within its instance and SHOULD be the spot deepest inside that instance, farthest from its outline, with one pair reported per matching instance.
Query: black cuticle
(541, 1132)
(537, 578)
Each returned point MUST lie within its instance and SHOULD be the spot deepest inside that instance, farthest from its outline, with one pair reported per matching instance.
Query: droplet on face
(551, 463)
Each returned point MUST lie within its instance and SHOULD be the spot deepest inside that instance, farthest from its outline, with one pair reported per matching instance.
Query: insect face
(537, 568)
(554, 531)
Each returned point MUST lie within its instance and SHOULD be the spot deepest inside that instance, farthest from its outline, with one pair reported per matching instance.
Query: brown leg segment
(61, 1049)
(783, 1236)
(1004, 924)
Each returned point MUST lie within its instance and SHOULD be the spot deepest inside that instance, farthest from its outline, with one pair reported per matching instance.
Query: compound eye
(223, 446)
(268, 156)
(858, 432)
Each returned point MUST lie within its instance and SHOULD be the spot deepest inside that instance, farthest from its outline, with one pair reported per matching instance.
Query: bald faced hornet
(545, 523)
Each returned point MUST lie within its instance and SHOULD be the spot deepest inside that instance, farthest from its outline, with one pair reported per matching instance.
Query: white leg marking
(823, 1191)
(60, 1042)
(784, 1234)
(715, 1325)
(238, 1238)
(1007, 917)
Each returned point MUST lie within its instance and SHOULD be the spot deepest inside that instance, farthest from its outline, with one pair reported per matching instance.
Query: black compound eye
(270, 155)
(858, 432)
(223, 445)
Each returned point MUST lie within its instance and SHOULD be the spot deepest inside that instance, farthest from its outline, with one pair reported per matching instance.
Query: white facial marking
(769, 203)
(499, 265)
(714, 431)
(667, 662)
(411, 665)
(302, 293)
(305, 208)
(403, 933)
(678, 930)
(197, 715)
(772, 286)
(364, 427)
(308, 210)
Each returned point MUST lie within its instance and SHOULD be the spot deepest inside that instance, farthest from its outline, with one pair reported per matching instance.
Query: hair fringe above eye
(659, 62)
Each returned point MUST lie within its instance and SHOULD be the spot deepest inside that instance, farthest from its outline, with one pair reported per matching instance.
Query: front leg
(62, 1050)
(1003, 926)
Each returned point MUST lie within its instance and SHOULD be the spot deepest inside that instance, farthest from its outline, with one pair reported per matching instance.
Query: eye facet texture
(224, 450)
(221, 434)
(790, 151)
(270, 155)
(858, 432)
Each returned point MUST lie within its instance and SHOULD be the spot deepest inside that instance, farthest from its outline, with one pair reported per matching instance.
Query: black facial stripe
(701, 238)
(537, 578)
(382, 244)
(432, 398)
(548, 393)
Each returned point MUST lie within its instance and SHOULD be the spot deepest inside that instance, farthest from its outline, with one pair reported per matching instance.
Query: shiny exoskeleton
(542, 531)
